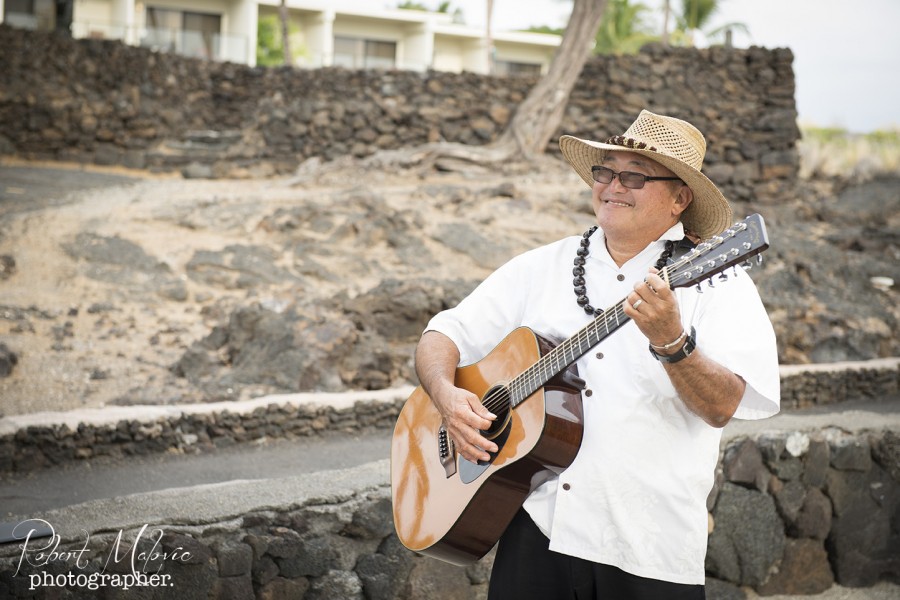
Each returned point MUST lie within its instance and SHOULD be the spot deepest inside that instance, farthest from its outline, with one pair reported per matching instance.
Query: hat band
(627, 142)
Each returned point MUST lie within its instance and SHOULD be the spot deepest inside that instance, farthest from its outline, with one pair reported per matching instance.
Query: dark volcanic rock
(740, 554)
(8, 360)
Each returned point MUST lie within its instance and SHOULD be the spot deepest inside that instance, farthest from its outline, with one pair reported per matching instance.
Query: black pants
(525, 568)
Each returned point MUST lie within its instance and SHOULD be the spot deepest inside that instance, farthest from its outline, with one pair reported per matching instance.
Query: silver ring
(638, 303)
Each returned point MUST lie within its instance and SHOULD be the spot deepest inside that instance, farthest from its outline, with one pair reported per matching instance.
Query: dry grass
(833, 152)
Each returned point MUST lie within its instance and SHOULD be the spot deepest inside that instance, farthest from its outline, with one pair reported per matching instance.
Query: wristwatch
(689, 344)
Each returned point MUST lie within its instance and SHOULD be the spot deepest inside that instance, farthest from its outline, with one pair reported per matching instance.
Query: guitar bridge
(446, 452)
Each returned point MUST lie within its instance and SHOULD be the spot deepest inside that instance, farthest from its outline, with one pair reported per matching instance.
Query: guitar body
(436, 512)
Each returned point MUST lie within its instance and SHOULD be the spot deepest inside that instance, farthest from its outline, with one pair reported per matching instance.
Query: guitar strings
(551, 364)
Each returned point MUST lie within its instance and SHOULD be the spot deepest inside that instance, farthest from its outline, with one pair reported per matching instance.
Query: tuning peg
(747, 265)
(712, 283)
(723, 276)
(699, 289)
(759, 259)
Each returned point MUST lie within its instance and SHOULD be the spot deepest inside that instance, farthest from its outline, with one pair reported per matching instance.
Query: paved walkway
(75, 483)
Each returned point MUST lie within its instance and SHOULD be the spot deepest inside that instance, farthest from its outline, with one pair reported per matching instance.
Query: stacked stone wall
(792, 513)
(804, 386)
(101, 102)
(35, 447)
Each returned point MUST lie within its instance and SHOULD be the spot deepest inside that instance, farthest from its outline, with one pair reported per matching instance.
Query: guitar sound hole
(497, 400)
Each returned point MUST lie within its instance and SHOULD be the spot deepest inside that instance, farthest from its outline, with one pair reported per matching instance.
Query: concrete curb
(111, 415)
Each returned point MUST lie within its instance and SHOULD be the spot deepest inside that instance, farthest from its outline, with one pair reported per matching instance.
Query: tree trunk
(539, 115)
(285, 36)
(529, 131)
(489, 37)
(665, 32)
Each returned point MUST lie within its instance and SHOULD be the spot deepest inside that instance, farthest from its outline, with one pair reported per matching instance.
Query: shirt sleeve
(735, 331)
(484, 317)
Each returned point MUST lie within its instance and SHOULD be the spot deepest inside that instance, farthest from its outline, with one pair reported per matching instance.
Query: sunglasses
(629, 179)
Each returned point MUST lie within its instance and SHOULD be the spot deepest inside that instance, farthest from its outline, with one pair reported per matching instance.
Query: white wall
(418, 49)
(94, 18)
(522, 53)
(448, 54)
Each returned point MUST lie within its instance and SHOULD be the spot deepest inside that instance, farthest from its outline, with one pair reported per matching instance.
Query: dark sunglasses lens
(602, 174)
(631, 180)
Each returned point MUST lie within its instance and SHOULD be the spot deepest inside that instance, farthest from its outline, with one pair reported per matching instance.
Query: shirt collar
(675, 233)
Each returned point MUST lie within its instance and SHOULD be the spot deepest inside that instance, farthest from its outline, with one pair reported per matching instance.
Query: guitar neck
(566, 353)
(741, 241)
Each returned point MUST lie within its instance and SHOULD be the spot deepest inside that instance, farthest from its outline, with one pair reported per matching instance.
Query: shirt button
(599, 355)
(620, 277)
(567, 487)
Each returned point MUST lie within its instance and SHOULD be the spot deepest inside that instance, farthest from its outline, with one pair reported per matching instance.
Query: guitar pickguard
(469, 471)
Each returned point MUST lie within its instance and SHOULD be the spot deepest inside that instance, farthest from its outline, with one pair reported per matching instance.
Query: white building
(323, 33)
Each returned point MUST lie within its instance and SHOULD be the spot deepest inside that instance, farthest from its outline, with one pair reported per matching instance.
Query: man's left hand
(654, 309)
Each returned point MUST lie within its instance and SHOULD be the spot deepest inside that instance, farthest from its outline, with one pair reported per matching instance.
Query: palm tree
(443, 7)
(488, 36)
(695, 15)
(413, 6)
(623, 29)
(667, 11)
(285, 34)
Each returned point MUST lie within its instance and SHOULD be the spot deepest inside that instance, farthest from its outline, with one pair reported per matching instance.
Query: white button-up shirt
(635, 495)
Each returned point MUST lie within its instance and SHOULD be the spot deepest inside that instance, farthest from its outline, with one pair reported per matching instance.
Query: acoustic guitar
(450, 508)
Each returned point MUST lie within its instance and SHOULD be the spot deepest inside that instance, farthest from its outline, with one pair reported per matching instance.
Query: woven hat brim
(709, 213)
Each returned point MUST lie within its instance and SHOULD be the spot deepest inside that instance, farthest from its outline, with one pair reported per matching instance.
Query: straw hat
(676, 145)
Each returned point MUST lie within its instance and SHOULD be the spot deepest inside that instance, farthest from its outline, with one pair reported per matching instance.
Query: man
(627, 519)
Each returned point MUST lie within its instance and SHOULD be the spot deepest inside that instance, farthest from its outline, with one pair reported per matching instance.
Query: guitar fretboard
(554, 362)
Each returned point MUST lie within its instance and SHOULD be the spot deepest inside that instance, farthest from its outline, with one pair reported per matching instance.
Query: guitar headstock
(741, 241)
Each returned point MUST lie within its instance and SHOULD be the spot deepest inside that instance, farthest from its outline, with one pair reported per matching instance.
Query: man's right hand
(464, 416)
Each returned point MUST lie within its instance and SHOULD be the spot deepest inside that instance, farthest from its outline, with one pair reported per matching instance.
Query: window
(356, 53)
(30, 14)
(203, 34)
(507, 67)
(188, 33)
(24, 7)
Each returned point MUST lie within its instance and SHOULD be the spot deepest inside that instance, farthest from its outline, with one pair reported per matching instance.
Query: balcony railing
(197, 44)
